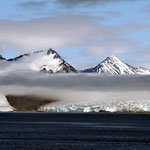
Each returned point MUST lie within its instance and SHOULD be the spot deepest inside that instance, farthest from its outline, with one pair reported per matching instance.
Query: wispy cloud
(143, 53)
(111, 46)
(32, 4)
(146, 8)
(85, 3)
(113, 13)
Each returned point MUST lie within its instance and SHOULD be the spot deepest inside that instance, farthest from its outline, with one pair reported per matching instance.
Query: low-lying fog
(76, 88)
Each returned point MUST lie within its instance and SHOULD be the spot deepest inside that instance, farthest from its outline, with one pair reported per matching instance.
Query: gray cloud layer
(31, 4)
(79, 82)
(74, 3)
(56, 32)
(76, 88)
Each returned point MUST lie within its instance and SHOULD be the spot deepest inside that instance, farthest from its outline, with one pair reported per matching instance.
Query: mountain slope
(46, 61)
(112, 65)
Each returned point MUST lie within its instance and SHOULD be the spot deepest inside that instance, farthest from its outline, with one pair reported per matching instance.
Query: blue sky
(83, 32)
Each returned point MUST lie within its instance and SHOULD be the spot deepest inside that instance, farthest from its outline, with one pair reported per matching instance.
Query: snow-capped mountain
(46, 61)
(51, 62)
(112, 65)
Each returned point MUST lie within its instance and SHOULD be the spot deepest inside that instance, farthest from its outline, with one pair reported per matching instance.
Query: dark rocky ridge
(2, 58)
(18, 57)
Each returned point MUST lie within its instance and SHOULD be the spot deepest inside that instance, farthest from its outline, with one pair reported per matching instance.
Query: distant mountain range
(51, 62)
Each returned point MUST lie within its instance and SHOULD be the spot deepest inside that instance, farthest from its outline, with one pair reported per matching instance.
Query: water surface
(65, 131)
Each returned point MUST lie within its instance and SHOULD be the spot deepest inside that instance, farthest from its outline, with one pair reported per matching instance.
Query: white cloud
(56, 32)
(110, 46)
(67, 31)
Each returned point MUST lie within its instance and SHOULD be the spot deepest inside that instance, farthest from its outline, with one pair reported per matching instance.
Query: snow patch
(4, 105)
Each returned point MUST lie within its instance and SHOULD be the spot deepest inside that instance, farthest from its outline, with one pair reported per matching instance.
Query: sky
(83, 32)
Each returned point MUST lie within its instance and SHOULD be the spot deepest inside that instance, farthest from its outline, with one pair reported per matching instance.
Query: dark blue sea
(65, 131)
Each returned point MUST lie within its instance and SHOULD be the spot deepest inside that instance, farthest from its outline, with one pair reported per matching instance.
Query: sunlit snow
(4, 105)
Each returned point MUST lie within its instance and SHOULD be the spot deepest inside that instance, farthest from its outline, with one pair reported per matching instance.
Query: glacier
(112, 106)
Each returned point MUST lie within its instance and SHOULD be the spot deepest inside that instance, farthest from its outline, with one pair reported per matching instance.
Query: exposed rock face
(18, 57)
(2, 58)
(27, 102)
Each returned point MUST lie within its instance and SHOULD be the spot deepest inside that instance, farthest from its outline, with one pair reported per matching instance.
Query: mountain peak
(112, 58)
(112, 65)
(48, 61)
